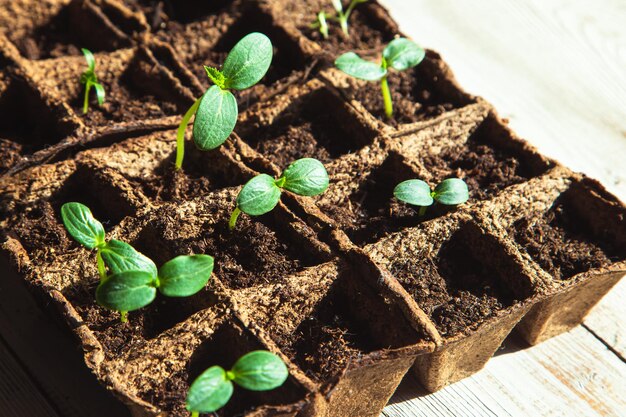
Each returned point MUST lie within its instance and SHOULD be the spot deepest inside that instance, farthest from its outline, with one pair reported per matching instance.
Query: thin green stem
(86, 100)
(101, 268)
(384, 87)
(180, 134)
(124, 316)
(422, 211)
(195, 414)
(233, 218)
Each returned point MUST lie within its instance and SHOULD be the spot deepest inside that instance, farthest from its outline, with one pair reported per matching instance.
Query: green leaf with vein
(259, 196)
(81, 225)
(210, 391)
(451, 192)
(120, 257)
(215, 119)
(185, 275)
(126, 291)
(306, 176)
(248, 61)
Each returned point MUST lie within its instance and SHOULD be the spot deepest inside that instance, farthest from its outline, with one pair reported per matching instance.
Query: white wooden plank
(606, 320)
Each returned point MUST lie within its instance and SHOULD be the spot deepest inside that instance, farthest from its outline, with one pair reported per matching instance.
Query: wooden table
(557, 70)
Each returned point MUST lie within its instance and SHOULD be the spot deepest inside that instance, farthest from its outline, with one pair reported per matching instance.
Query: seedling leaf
(306, 176)
(355, 66)
(337, 5)
(91, 61)
(185, 275)
(121, 257)
(451, 191)
(323, 25)
(82, 226)
(210, 391)
(260, 370)
(215, 118)
(414, 192)
(258, 196)
(248, 61)
(215, 75)
(402, 53)
(99, 93)
(126, 291)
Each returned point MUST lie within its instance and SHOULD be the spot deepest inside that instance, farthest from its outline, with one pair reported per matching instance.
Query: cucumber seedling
(90, 79)
(306, 177)
(258, 370)
(400, 54)
(216, 110)
(449, 192)
(133, 277)
(340, 16)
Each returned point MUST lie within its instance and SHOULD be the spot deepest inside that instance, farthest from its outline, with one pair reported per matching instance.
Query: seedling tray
(351, 288)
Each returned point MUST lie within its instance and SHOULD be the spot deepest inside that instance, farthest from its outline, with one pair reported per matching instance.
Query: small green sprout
(134, 278)
(400, 54)
(258, 370)
(449, 192)
(216, 110)
(90, 79)
(342, 17)
(306, 177)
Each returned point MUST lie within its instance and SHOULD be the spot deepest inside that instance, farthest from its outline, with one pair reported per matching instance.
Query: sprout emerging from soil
(133, 277)
(90, 79)
(341, 17)
(449, 192)
(306, 177)
(259, 370)
(400, 54)
(216, 110)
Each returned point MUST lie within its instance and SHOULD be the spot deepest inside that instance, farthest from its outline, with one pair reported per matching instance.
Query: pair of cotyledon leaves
(451, 191)
(306, 177)
(256, 371)
(400, 54)
(134, 278)
(217, 112)
(89, 77)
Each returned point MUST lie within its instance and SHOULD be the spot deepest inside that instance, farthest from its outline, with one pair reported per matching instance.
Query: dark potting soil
(561, 243)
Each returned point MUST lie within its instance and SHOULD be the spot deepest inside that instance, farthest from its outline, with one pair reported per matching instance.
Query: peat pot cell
(78, 25)
(584, 229)
(490, 160)
(168, 15)
(229, 342)
(317, 125)
(348, 321)
(421, 93)
(467, 281)
(27, 120)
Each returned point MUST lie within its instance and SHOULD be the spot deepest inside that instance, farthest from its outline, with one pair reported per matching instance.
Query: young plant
(133, 278)
(216, 110)
(306, 177)
(258, 370)
(90, 79)
(450, 192)
(400, 54)
(340, 16)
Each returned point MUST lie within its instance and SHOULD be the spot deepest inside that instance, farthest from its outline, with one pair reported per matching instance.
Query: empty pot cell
(421, 93)
(579, 232)
(467, 281)
(317, 125)
(490, 160)
(165, 14)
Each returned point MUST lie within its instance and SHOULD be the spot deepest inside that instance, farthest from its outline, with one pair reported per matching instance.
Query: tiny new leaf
(121, 257)
(210, 391)
(91, 61)
(215, 119)
(82, 226)
(306, 176)
(451, 191)
(402, 54)
(357, 67)
(126, 291)
(260, 370)
(414, 192)
(185, 275)
(248, 61)
(259, 195)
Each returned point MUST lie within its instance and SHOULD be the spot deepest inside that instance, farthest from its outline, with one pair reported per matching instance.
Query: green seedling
(90, 79)
(400, 54)
(133, 278)
(216, 110)
(450, 192)
(340, 16)
(259, 370)
(306, 177)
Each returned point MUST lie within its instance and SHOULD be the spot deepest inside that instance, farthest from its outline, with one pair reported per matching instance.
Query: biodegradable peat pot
(350, 288)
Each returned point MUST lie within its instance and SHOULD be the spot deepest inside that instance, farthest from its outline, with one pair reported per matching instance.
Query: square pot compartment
(137, 87)
(340, 332)
(314, 122)
(60, 28)
(469, 283)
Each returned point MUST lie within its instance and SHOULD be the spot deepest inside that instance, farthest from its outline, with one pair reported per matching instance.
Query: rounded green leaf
(120, 257)
(185, 275)
(81, 225)
(215, 119)
(355, 66)
(306, 176)
(414, 192)
(248, 61)
(451, 192)
(403, 53)
(259, 196)
(260, 370)
(210, 391)
(126, 291)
